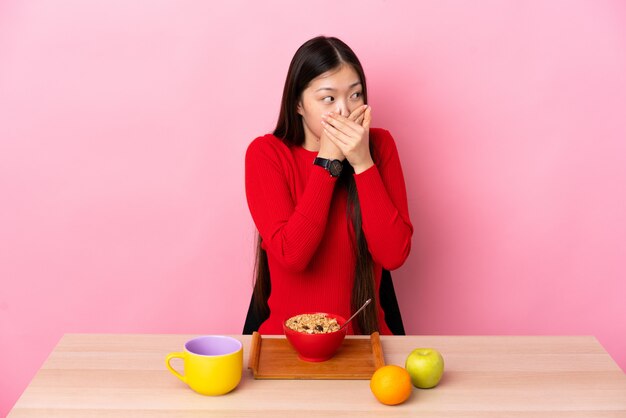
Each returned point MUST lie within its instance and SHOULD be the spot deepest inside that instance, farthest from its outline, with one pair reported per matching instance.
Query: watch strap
(334, 167)
(322, 162)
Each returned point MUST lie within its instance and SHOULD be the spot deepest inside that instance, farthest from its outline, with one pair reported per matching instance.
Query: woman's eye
(357, 95)
(329, 99)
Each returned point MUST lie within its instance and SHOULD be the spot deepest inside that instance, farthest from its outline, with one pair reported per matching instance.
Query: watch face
(335, 168)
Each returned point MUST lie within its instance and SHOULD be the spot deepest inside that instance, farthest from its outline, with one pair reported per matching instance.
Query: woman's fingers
(367, 118)
(358, 112)
(335, 133)
(329, 148)
(351, 136)
(343, 124)
(343, 147)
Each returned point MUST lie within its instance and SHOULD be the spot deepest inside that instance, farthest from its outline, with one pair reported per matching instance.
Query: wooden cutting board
(274, 358)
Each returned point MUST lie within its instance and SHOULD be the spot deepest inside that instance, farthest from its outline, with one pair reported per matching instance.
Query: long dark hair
(315, 57)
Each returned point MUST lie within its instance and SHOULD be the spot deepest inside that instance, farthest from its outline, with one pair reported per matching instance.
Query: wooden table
(486, 376)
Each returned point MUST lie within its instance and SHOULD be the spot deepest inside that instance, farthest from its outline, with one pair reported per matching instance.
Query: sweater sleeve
(384, 208)
(291, 231)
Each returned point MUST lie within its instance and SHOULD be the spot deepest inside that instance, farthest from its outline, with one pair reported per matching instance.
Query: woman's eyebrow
(333, 89)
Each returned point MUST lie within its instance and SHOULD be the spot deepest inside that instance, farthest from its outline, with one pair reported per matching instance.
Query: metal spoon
(367, 302)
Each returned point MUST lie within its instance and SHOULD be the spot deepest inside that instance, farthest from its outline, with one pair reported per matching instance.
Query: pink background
(123, 128)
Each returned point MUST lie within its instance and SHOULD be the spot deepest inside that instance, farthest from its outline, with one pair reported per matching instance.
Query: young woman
(327, 195)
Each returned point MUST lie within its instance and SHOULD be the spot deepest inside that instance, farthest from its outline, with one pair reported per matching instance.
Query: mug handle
(171, 356)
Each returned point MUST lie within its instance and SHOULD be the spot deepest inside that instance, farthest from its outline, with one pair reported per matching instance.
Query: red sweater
(301, 216)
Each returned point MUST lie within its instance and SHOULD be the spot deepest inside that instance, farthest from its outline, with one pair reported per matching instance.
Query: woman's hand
(328, 149)
(351, 136)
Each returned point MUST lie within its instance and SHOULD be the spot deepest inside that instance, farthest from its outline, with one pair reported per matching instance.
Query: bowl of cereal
(315, 336)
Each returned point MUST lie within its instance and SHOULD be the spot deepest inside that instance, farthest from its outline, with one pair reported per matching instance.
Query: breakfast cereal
(312, 323)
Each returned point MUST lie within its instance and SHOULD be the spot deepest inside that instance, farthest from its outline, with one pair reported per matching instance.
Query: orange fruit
(391, 385)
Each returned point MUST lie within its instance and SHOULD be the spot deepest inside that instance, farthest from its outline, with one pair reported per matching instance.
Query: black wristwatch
(334, 167)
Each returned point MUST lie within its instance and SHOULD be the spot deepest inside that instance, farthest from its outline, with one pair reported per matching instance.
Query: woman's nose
(342, 109)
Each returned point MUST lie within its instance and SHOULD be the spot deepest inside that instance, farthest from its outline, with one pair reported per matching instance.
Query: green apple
(425, 365)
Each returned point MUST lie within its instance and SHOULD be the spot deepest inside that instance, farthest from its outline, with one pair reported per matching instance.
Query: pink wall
(123, 129)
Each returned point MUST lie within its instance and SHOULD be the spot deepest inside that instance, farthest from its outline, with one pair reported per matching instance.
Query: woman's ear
(299, 108)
